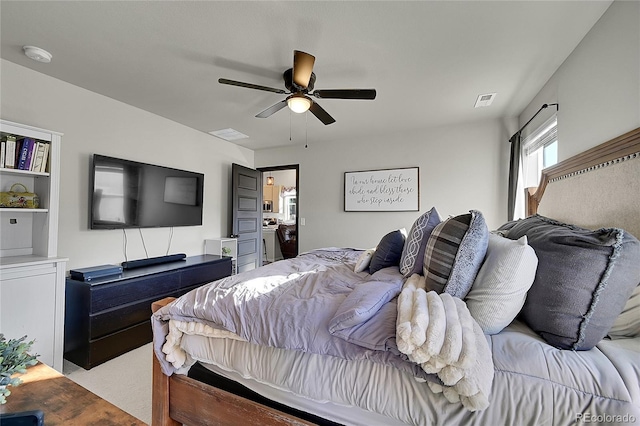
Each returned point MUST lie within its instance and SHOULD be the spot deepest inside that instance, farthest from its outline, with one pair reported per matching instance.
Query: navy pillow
(389, 251)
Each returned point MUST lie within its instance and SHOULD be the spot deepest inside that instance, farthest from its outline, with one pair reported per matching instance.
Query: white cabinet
(32, 304)
(223, 247)
(272, 193)
(271, 245)
(31, 274)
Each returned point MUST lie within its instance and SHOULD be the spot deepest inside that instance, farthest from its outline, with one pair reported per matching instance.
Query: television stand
(109, 316)
(133, 264)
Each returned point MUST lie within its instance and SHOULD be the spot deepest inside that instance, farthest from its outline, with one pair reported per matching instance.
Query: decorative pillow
(388, 251)
(454, 253)
(363, 261)
(501, 286)
(627, 324)
(363, 303)
(412, 258)
(583, 280)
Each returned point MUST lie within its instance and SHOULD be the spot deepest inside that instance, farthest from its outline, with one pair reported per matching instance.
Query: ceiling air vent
(485, 100)
(228, 134)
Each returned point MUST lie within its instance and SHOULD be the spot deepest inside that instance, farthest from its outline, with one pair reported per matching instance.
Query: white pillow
(363, 261)
(628, 322)
(500, 288)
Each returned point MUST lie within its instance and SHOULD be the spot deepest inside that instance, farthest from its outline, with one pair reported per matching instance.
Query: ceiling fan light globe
(299, 104)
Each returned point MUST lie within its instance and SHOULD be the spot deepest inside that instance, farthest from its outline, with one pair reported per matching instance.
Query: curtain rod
(534, 116)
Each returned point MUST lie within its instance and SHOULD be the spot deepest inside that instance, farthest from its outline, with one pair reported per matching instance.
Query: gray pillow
(388, 251)
(454, 254)
(412, 258)
(583, 280)
(363, 302)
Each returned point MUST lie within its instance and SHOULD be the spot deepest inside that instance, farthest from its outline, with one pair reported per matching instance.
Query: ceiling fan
(299, 82)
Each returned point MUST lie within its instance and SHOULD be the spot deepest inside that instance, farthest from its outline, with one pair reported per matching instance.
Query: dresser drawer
(118, 318)
(108, 296)
(112, 345)
(204, 274)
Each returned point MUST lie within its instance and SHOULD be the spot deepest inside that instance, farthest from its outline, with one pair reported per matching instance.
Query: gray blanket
(306, 304)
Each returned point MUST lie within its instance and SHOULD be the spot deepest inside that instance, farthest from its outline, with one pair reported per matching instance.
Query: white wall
(462, 167)
(92, 123)
(281, 177)
(598, 85)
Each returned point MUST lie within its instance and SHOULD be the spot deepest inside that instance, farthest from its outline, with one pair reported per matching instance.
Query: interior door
(246, 193)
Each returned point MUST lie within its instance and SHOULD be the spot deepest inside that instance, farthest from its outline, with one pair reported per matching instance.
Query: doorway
(281, 203)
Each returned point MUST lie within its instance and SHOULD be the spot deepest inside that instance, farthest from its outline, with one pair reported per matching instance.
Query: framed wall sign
(388, 190)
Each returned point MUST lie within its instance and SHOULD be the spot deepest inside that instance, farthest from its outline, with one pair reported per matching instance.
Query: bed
(536, 322)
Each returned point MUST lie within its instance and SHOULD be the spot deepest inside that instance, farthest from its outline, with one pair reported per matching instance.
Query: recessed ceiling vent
(484, 100)
(228, 134)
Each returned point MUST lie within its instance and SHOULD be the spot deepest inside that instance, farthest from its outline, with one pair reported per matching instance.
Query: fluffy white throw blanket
(438, 332)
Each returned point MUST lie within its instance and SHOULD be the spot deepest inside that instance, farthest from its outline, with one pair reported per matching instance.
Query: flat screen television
(130, 194)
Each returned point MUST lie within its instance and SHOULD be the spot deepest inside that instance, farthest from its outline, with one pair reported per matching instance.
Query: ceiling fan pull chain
(306, 129)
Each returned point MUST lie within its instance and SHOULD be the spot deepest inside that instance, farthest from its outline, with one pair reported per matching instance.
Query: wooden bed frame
(179, 399)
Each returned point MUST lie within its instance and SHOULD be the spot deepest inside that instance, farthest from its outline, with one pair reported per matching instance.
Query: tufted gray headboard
(597, 188)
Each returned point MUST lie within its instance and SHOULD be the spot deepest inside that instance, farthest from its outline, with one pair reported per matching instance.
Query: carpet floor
(124, 381)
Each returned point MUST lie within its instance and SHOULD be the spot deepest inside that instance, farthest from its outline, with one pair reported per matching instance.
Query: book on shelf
(10, 153)
(45, 157)
(25, 157)
(30, 155)
(3, 146)
(38, 154)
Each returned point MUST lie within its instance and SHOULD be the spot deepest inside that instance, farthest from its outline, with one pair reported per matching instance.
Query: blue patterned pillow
(454, 253)
(412, 257)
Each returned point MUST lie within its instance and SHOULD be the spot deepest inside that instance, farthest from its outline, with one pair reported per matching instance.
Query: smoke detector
(484, 100)
(37, 54)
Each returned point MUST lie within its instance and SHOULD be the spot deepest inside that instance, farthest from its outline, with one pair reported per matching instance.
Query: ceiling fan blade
(272, 109)
(250, 86)
(366, 94)
(302, 68)
(321, 114)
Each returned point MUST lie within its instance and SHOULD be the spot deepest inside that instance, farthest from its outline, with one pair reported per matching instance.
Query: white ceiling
(428, 60)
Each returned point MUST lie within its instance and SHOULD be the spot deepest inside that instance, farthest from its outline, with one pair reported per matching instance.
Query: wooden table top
(63, 401)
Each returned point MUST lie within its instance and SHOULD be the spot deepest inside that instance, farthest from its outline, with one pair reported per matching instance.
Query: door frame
(295, 167)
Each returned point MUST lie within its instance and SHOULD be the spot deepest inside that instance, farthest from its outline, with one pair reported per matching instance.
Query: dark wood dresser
(107, 317)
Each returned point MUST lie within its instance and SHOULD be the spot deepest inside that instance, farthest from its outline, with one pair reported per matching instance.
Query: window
(539, 151)
(290, 207)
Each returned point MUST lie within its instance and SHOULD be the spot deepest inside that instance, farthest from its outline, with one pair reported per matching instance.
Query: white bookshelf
(31, 273)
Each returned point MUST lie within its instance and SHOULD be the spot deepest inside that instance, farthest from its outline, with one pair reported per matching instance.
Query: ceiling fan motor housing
(293, 87)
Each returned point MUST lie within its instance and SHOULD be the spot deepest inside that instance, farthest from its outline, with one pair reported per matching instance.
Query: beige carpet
(124, 381)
